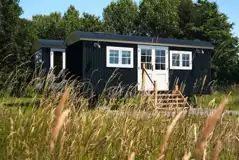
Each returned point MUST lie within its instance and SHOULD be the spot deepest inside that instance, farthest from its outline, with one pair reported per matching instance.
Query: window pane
(143, 52)
(163, 67)
(158, 53)
(143, 59)
(160, 60)
(176, 59)
(149, 52)
(148, 66)
(148, 59)
(163, 53)
(126, 54)
(186, 63)
(114, 60)
(158, 66)
(114, 56)
(186, 57)
(126, 61)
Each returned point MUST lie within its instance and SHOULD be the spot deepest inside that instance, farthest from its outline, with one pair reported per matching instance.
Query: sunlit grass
(117, 127)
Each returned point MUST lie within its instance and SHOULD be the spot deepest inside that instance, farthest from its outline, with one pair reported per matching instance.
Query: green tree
(159, 17)
(121, 17)
(91, 23)
(9, 21)
(49, 26)
(72, 20)
(187, 18)
(16, 36)
(212, 25)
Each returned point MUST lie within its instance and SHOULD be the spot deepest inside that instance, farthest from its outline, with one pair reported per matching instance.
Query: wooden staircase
(172, 100)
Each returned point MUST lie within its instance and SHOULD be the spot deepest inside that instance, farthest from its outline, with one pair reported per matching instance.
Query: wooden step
(175, 94)
(169, 96)
(173, 104)
(171, 101)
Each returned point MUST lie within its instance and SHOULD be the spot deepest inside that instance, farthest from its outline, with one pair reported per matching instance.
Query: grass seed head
(209, 127)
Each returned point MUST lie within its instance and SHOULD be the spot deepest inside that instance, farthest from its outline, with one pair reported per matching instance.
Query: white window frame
(181, 67)
(120, 49)
(52, 57)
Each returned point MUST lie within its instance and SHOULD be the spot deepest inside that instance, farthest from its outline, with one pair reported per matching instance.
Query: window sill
(181, 68)
(119, 66)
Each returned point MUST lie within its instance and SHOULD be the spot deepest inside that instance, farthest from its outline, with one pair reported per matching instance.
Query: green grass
(213, 100)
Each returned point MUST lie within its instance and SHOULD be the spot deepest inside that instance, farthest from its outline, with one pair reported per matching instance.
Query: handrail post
(143, 77)
(155, 93)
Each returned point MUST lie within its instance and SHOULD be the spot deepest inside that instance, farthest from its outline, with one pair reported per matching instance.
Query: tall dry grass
(63, 127)
(106, 134)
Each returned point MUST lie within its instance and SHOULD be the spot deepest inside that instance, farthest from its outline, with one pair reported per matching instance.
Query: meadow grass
(214, 99)
(63, 127)
(106, 134)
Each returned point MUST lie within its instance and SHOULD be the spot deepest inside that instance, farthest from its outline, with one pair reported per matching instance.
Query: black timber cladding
(95, 70)
(74, 59)
(140, 39)
(46, 58)
(193, 79)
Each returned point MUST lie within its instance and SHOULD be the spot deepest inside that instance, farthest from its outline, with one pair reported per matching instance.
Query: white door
(156, 60)
(161, 70)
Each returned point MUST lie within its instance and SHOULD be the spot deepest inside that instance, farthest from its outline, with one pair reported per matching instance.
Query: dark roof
(51, 43)
(100, 36)
(43, 43)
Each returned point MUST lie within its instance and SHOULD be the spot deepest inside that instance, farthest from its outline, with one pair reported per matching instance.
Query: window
(146, 58)
(119, 57)
(160, 60)
(181, 60)
(186, 60)
(114, 56)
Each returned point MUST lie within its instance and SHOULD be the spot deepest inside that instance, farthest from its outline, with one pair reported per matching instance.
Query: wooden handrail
(145, 71)
(155, 84)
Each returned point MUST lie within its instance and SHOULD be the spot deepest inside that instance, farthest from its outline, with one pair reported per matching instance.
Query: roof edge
(72, 38)
(145, 43)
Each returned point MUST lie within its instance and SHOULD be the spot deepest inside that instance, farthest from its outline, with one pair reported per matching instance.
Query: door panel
(145, 56)
(156, 61)
(161, 71)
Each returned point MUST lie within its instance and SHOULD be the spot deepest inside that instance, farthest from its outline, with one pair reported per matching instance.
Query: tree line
(182, 19)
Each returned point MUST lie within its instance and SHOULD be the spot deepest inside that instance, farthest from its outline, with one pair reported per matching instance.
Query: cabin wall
(95, 70)
(193, 79)
(74, 59)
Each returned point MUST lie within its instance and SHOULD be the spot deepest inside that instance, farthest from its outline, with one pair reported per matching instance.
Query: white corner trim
(52, 60)
(63, 60)
(120, 49)
(181, 67)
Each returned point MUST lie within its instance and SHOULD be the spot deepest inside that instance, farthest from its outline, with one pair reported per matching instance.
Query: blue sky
(32, 7)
